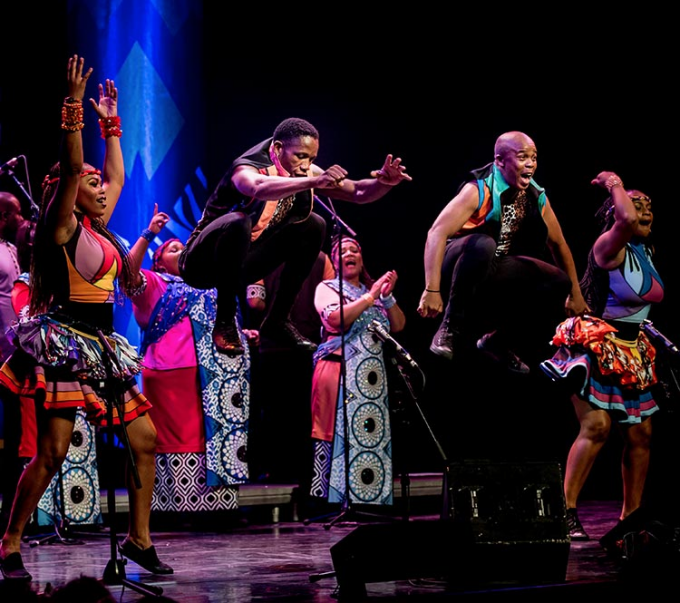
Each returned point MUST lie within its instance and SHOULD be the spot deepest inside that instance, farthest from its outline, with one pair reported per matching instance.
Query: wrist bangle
(256, 291)
(110, 126)
(72, 114)
(432, 290)
(369, 298)
(147, 235)
(387, 301)
(612, 181)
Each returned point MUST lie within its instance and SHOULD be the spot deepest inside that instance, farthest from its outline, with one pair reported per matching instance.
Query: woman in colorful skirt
(68, 356)
(605, 357)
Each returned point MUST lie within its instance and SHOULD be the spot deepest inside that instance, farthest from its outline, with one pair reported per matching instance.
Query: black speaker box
(397, 551)
(502, 524)
(516, 515)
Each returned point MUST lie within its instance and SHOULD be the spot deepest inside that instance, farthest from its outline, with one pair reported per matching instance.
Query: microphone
(8, 166)
(382, 334)
(658, 337)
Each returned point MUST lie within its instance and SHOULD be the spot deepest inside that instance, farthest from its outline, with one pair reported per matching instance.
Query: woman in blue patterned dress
(364, 396)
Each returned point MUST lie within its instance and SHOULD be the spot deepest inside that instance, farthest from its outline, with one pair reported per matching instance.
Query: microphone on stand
(381, 333)
(658, 338)
(8, 166)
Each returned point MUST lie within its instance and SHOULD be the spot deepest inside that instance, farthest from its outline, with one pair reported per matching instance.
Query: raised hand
(159, 220)
(392, 172)
(77, 80)
(108, 100)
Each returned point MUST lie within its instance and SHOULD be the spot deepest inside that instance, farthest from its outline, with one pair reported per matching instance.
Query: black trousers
(223, 256)
(500, 293)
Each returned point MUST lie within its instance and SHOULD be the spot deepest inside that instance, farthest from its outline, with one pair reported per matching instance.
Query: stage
(251, 555)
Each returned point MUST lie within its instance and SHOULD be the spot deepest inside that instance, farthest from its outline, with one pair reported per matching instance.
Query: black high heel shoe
(12, 568)
(146, 558)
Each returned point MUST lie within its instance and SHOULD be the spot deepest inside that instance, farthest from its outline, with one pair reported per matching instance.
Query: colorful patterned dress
(609, 361)
(201, 398)
(363, 400)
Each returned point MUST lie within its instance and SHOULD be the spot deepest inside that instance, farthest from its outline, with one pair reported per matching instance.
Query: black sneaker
(442, 342)
(491, 347)
(576, 530)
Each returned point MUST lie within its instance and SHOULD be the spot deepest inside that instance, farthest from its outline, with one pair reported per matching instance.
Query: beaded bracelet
(147, 235)
(110, 126)
(72, 115)
(369, 298)
(612, 181)
(140, 289)
(387, 301)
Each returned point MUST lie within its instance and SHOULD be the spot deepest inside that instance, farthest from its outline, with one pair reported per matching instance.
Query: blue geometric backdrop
(153, 50)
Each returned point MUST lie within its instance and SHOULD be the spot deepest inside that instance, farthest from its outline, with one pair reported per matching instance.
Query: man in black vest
(485, 255)
(260, 216)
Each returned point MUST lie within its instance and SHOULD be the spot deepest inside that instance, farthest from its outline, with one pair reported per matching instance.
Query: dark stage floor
(247, 559)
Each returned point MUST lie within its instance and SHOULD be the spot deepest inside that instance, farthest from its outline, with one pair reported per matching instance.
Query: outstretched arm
(113, 174)
(59, 216)
(332, 182)
(369, 189)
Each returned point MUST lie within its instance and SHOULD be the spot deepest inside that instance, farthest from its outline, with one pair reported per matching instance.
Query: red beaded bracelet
(110, 126)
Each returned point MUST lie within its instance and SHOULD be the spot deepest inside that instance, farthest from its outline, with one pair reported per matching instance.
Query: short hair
(294, 127)
(8, 201)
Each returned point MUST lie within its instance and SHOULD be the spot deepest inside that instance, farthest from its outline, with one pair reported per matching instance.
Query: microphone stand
(405, 480)
(669, 352)
(34, 209)
(114, 572)
(347, 513)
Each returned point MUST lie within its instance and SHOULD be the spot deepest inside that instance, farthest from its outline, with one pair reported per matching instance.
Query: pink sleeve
(144, 303)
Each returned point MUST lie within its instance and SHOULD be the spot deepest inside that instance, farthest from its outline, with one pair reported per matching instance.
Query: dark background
(593, 92)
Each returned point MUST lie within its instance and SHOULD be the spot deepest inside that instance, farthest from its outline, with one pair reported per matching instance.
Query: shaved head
(511, 141)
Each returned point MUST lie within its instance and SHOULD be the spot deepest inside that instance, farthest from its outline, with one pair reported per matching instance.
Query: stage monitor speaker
(516, 513)
(504, 524)
(387, 552)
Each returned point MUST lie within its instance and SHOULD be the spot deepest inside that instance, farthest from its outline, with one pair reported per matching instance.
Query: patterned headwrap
(337, 242)
(159, 252)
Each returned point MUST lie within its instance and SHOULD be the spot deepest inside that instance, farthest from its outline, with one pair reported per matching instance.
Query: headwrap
(159, 252)
(336, 246)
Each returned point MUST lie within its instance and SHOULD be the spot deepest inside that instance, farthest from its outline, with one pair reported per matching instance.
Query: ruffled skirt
(611, 373)
(62, 364)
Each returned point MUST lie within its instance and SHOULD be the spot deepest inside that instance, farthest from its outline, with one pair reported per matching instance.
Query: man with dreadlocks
(605, 357)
